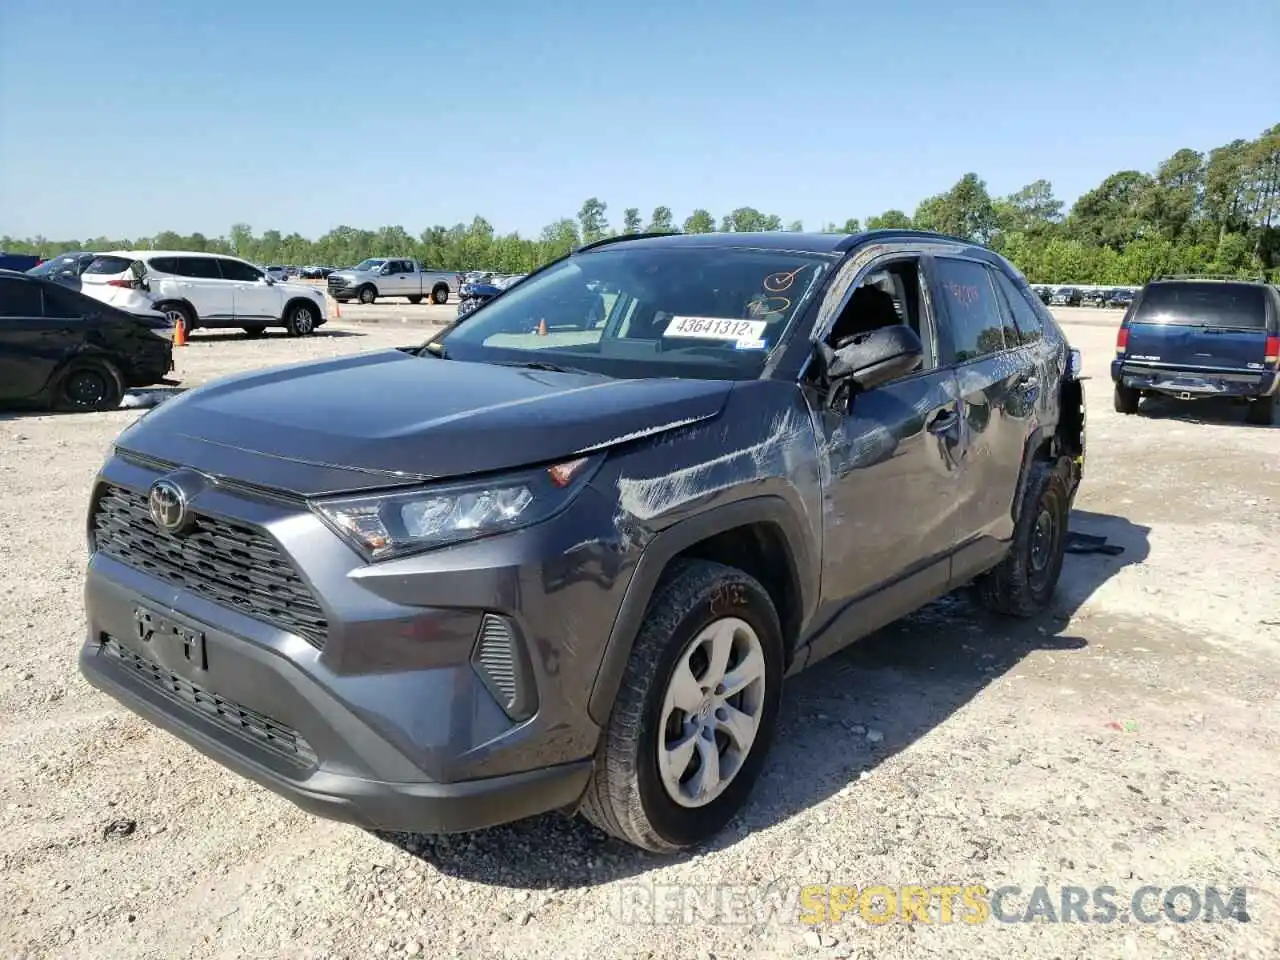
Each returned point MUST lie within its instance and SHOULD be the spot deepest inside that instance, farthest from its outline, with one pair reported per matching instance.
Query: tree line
(1198, 212)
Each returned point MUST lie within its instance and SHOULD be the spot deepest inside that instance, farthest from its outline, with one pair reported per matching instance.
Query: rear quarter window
(108, 266)
(1204, 304)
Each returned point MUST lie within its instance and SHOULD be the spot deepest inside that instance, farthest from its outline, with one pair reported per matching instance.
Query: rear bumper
(1194, 384)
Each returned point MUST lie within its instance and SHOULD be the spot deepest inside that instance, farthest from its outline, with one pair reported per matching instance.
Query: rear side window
(108, 266)
(203, 268)
(1029, 327)
(164, 264)
(20, 298)
(1204, 304)
(65, 303)
(977, 326)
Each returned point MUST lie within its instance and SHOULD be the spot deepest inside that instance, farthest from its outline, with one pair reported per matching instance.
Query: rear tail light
(121, 283)
(1272, 352)
(1122, 340)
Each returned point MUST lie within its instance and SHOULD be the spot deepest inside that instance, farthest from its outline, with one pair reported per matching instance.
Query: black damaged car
(61, 349)
(562, 556)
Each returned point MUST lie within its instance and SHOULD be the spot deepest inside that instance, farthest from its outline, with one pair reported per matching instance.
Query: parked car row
(1118, 297)
(476, 292)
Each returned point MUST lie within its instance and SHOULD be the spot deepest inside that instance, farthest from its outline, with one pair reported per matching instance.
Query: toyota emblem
(168, 506)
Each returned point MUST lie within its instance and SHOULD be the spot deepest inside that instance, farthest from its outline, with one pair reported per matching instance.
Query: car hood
(390, 418)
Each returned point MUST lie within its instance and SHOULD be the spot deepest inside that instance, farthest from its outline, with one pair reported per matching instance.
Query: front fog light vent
(500, 662)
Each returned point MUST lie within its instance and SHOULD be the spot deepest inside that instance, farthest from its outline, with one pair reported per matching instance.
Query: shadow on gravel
(212, 336)
(1210, 411)
(861, 707)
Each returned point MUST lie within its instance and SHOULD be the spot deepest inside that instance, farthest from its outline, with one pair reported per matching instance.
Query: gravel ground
(1128, 738)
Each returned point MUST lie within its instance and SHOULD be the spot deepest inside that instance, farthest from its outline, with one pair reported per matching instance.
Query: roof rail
(619, 237)
(1208, 276)
(886, 233)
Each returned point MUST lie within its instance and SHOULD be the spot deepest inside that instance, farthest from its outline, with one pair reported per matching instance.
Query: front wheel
(695, 713)
(1023, 584)
(368, 295)
(1127, 399)
(300, 320)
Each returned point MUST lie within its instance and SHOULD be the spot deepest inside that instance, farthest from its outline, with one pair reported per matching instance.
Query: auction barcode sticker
(715, 328)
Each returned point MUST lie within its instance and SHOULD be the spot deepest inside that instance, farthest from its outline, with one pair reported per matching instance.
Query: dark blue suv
(1193, 338)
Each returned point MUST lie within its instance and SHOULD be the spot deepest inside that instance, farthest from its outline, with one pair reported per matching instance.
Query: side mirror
(870, 359)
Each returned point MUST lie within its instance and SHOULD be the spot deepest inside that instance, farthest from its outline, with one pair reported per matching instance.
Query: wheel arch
(761, 536)
(303, 301)
(182, 302)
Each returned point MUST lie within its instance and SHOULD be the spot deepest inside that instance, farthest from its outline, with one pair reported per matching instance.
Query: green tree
(889, 220)
(1113, 214)
(592, 220)
(662, 221)
(631, 220)
(700, 221)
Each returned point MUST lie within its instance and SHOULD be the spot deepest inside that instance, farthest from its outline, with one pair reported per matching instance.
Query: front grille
(226, 713)
(232, 564)
(336, 283)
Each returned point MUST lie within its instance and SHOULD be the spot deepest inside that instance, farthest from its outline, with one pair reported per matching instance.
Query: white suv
(203, 290)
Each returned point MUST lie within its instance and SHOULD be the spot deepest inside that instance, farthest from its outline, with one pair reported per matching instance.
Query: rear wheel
(695, 712)
(1261, 411)
(416, 299)
(440, 294)
(1023, 584)
(177, 313)
(92, 384)
(1127, 399)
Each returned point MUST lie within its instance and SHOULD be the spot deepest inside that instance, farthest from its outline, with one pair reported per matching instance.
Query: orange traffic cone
(542, 328)
(180, 334)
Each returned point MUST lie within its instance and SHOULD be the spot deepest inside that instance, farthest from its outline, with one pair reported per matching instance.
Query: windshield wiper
(541, 365)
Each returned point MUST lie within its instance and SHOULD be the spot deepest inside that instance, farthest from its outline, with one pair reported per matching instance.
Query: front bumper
(1194, 384)
(386, 720)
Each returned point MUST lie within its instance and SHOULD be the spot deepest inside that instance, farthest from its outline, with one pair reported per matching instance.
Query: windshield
(69, 262)
(368, 265)
(1204, 304)
(630, 311)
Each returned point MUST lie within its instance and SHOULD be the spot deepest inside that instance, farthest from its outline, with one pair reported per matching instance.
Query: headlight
(385, 525)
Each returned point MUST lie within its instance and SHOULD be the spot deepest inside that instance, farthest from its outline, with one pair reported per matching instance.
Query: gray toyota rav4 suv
(561, 556)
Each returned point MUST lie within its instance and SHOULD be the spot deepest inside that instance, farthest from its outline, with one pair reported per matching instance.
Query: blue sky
(129, 118)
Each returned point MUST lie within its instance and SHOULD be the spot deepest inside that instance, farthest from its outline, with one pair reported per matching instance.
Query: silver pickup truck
(392, 277)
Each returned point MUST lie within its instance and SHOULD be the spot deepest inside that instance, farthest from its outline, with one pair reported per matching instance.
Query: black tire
(254, 332)
(1127, 399)
(415, 300)
(179, 311)
(1261, 411)
(1023, 584)
(90, 384)
(440, 294)
(626, 797)
(300, 320)
(367, 294)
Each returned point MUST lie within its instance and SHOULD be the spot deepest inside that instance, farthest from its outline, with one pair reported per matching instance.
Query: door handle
(944, 422)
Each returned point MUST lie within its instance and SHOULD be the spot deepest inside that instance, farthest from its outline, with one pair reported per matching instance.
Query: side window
(976, 321)
(203, 268)
(889, 294)
(240, 272)
(162, 265)
(1029, 327)
(20, 298)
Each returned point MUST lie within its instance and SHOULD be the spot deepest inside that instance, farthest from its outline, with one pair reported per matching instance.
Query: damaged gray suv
(562, 556)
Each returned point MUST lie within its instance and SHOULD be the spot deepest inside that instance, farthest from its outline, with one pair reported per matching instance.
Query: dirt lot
(1128, 739)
